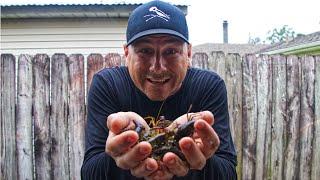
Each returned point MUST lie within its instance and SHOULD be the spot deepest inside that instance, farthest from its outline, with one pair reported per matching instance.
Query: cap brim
(156, 31)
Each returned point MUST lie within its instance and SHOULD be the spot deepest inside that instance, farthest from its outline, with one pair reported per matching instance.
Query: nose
(158, 64)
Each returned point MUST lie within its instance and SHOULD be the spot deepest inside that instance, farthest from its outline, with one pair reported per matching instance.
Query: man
(158, 80)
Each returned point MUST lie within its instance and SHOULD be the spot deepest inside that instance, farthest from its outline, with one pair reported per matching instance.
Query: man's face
(158, 64)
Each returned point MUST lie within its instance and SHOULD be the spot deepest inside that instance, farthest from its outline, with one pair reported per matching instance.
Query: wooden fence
(274, 106)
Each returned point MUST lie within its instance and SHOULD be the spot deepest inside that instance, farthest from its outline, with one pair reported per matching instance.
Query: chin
(157, 98)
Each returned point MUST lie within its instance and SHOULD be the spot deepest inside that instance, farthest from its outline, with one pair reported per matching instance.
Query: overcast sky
(249, 17)
(245, 17)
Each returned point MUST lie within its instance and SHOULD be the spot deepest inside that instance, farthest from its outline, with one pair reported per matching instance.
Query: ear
(126, 53)
(189, 55)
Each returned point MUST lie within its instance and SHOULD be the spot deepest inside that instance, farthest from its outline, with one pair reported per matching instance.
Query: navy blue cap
(157, 17)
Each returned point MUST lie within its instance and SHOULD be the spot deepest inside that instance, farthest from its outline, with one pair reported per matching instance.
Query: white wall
(70, 36)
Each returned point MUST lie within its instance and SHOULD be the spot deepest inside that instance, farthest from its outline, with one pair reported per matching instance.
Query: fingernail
(200, 125)
(172, 161)
(149, 167)
(187, 146)
(144, 150)
(130, 139)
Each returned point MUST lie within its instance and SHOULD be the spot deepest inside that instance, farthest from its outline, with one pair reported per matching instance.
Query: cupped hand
(122, 144)
(196, 149)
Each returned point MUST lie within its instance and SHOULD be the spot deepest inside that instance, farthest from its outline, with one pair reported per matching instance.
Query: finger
(175, 165)
(210, 139)
(119, 144)
(145, 168)
(162, 173)
(134, 156)
(207, 116)
(117, 122)
(192, 153)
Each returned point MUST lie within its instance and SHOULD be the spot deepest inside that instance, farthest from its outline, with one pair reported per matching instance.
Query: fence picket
(41, 116)
(59, 117)
(200, 60)
(8, 162)
(113, 60)
(307, 120)
(249, 105)
(24, 136)
(264, 95)
(315, 171)
(278, 115)
(291, 147)
(76, 118)
(95, 63)
(233, 80)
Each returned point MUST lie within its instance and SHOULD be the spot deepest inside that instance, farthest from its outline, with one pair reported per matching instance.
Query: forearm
(221, 168)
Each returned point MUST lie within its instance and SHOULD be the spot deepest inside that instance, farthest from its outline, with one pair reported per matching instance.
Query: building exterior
(66, 28)
(301, 45)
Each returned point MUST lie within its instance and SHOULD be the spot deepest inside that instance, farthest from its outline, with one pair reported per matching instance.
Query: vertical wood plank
(95, 63)
(112, 60)
(291, 147)
(315, 171)
(249, 116)
(217, 63)
(278, 115)
(200, 60)
(24, 131)
(41, 116)
(307, 118)
(264, 98)
(59, 117)
(8, 163)
(233, 82)
(76, 114)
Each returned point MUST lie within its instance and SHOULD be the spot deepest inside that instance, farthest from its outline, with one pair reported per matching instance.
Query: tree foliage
(282, 34)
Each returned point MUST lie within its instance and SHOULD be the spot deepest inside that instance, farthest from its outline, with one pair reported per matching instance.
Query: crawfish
(165, 140)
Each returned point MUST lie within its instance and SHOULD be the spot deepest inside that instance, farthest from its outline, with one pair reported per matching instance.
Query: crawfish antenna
(160, 110)
(189, 111)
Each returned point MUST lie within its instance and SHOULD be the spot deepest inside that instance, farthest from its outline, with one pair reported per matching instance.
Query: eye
(145, 51)
(170, 51)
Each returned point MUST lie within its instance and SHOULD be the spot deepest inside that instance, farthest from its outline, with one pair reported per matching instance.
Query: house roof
(229, 48)
(72, 8)
(301, 43)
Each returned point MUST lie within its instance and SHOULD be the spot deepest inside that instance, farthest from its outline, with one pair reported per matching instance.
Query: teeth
(158, 80)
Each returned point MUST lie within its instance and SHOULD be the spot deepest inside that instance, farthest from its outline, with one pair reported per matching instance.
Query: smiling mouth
(158, 81)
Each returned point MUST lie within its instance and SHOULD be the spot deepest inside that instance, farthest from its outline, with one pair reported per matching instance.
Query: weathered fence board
(200, 60)
(291, 147)
(41, 116)
(264, 98)
(59, 117)
(24, 132)
(95, 63)
(315, 171)
(274, 107)
(249, 100)
(278, 115)
(233, 80)
(8, 162)
(76, 118)
(307, 118)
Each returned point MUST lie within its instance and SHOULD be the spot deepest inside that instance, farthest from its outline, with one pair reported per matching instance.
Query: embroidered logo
(156, 13)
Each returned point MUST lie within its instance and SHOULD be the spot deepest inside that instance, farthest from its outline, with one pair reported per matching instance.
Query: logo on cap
(156, 13)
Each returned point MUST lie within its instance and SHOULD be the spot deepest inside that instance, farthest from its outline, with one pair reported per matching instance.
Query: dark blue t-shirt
(112, 90)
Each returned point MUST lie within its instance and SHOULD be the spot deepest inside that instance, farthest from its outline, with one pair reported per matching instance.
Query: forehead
(157, 38)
